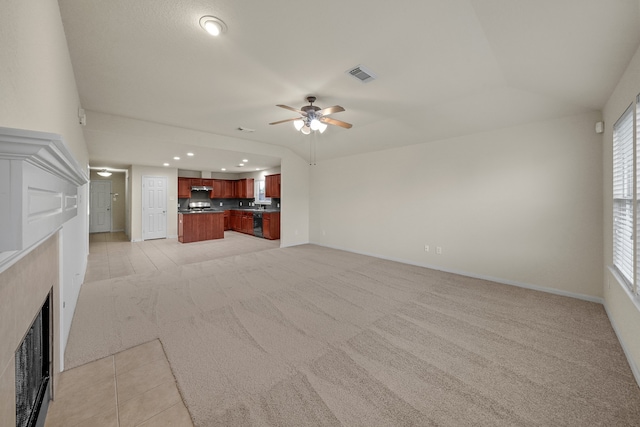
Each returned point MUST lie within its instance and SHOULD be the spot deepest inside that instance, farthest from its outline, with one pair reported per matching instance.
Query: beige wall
(520, 205)
(38, 89)
(624, 313)
(118, 185)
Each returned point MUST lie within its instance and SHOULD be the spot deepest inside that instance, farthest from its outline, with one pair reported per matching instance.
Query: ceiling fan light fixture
(212, 25)
(315, 124)
(298, 124)
(322, 127)
(104, 173)
(305, 130)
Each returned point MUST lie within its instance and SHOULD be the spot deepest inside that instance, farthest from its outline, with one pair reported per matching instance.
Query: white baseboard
(583, 297)
(632, 364)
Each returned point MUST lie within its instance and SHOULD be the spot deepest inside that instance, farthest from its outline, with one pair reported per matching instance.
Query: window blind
(623, 196)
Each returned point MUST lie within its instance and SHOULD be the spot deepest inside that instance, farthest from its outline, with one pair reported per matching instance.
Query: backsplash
(224, 204)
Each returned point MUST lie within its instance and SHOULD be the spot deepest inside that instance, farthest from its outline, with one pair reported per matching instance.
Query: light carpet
(311, 336)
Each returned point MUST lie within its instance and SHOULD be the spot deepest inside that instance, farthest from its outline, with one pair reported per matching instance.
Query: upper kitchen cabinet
(224, 189)
(272, 186)
(218, 188)
(184, 188)
(230, 190)
(245, 188)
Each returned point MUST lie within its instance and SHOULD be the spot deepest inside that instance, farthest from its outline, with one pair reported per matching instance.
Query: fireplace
(33, 368)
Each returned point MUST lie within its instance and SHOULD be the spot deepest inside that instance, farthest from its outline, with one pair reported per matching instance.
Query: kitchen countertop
(190, 212)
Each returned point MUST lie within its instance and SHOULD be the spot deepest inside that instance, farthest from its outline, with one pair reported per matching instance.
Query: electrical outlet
(220, 203)
(426, 248)
(439, 250)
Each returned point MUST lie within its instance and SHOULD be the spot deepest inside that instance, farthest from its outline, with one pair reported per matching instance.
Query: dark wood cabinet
(200, 226)
(266, 226)
(224, 189)
(272, 186)
(184, 188)
(244, 188)
(218, 188)
(196, 181)
(229, 189)
(227, 220)
(247, 223)
(271, 225)
(236, 220)
(241, 221)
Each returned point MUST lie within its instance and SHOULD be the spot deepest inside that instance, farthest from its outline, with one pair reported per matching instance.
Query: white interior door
(100, 207)
(154, 207)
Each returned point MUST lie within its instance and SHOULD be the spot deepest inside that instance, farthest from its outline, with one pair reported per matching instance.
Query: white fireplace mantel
(39, 180)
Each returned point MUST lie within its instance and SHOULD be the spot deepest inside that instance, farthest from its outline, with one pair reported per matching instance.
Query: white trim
(9, 258)
(623, 284)
(560, 292)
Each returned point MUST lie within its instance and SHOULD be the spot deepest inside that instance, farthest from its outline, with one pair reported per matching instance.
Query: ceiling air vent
(362, 73)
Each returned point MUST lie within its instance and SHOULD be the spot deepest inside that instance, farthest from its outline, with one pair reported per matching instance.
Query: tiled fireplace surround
(23, 289)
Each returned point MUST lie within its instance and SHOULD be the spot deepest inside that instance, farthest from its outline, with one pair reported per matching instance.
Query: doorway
(154, 207)
(100, 207)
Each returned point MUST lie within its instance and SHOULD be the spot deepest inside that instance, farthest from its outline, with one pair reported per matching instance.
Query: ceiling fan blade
(284, 121)
(286, 107)
(330, 110)
(335, 122)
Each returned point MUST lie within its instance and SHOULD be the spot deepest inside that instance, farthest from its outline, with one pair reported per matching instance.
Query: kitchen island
(199, 226)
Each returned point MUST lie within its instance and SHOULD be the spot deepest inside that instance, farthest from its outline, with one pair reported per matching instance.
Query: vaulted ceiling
(444, 68)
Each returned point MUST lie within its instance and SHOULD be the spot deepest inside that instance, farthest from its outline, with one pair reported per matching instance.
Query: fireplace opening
(33, 360)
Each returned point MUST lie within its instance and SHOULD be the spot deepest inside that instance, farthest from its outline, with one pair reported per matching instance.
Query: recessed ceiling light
(257, 169)
(189, 154)
(245, 161)
(241, 164)
(213, 25)
(165, 164)
(223, 169)
(176, 158)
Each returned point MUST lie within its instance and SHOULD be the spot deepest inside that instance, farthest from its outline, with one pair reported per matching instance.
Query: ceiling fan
(313, 118)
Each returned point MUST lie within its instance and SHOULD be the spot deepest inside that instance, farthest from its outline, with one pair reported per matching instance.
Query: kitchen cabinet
(184, 188)
(196, 227)
(218, 188)
(224, 189)
(272, 186)
(229, 189)
(247, 223)
(244, 188)
(241, 221)
(227, 220)
(236, 220)
(271, 225)
(196, 181)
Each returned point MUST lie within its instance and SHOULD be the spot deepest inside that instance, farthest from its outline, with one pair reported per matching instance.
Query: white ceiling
(445, 68)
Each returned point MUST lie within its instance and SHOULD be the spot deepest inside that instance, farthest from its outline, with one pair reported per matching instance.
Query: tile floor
(135, 387)
(131, 388)
(113, 255)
